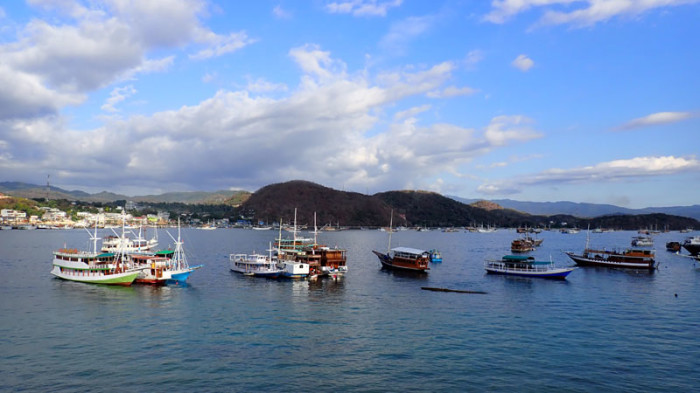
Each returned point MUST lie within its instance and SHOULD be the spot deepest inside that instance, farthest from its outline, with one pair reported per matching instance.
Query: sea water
(373, 330)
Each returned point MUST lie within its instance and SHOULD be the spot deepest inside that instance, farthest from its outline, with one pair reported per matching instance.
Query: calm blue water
(601, 330)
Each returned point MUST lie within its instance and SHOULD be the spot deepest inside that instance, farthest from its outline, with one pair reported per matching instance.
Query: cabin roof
(518, 258)
(408, 250)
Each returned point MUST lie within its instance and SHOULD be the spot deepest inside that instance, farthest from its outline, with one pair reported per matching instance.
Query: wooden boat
(673, 246)
(526, 266)
(630, 258)
(301, 257)
(522, 245)
(153, 268)
(403, 258)
(332, 261)
(92, 267)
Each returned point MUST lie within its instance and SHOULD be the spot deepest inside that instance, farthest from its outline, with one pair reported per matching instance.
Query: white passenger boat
(526, 266)
(92, 267)
(255, 265)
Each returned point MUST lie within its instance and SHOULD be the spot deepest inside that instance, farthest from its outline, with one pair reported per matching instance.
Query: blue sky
(540, 100)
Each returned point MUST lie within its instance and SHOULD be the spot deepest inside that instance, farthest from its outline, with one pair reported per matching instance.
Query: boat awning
(518, 258)
(105, 255)
(164, 252)
(408, 250)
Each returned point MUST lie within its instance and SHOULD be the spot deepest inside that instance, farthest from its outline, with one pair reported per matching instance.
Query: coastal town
(54, 218)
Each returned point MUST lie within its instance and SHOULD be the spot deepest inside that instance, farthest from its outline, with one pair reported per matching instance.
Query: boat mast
(588, 235)
(295, 227)
(315, 230)
(94, 240)
(279, 239)
(391, 222)
(178, 255)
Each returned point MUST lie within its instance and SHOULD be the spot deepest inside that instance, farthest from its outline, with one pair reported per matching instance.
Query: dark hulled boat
(692, 244)
(405, 258)
(629, 259)
(673, 246)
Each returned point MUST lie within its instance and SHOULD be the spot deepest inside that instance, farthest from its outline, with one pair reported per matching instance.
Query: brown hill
(411, 208)
(422, 208)
(278, 201)
(487, 205)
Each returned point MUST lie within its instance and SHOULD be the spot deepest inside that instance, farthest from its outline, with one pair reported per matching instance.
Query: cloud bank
(610, 171)
(656, 119)
(323, 130)
(577, 13)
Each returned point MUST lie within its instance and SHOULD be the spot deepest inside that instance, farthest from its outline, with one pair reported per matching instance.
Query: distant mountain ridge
(31, 191)
(315, 191)
(585, 209)
(416, 208)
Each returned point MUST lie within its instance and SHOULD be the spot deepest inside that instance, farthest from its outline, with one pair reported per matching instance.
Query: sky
(592, 101)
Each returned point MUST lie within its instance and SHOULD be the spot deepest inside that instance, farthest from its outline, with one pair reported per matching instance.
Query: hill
(33, 191)
(421, 208)
(415, 208)
(411, 208)
(334, 207)
(21, 204)
(587, 209)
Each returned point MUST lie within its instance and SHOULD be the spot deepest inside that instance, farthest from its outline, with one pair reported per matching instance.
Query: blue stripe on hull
(559, 275)
(180, 277)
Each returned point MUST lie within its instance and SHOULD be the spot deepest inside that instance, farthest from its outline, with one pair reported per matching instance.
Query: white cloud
(504, 129)
(452, 91)
(210, 77)
(505, 9)
(510, 161)
(403, 32)
(317, 62)
(86, 47)
(610, 171)
(576, 12)
(261, 85)
(473, 58)
(117, 95)
(523, 63)
(411, 112)
(23, 95)
(362, 7)
(219, 45)
(334, 127)
(281, 13)
(656, 119)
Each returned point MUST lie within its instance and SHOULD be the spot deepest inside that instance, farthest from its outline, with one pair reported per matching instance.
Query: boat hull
(693, 249)
(554, 273)
(603, 262)
(388, 263)
(181, 276)
(123, 279)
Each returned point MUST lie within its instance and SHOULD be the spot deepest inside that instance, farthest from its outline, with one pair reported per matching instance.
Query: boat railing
(541, 267)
